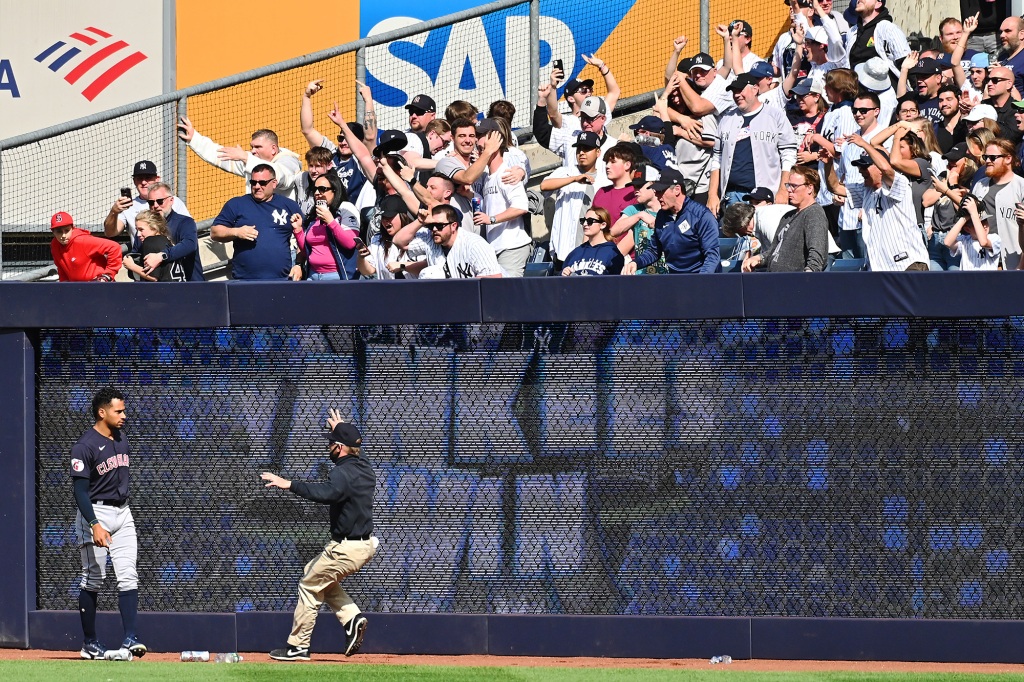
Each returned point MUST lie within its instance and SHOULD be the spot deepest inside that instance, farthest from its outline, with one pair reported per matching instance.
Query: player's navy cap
(423, 103)
(390, 141)
(760, 194)
(144, 168)
(345, 433)
(651, 124)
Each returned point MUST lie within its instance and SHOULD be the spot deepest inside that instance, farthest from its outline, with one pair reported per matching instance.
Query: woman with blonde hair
(597, 255)
(152, 229)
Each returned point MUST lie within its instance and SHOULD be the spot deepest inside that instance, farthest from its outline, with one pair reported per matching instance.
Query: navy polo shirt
(270, 255)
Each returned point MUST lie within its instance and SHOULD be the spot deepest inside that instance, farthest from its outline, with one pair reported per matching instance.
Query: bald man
(1000, 85)
(1011, 40)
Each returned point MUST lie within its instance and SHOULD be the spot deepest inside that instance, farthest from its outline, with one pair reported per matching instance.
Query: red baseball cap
(61, 219)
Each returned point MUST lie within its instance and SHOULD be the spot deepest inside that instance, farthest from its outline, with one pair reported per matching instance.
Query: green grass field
(101, 671)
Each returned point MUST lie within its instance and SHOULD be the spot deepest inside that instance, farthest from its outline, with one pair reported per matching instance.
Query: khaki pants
(320, 584)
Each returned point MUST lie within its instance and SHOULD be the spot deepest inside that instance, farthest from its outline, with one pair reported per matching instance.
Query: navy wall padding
(618, 636)
(883, 294)
(534, 299)
(877, 639)
(119, 304)
(576, 299)
(62, 630)
(355, 303)
(18, 503)
(837, 639)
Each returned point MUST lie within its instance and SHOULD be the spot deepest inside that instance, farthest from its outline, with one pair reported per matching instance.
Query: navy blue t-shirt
(104, 462)
(270, 256)
(603, 259)
(929, 108)
(742, 177)
(350, 174)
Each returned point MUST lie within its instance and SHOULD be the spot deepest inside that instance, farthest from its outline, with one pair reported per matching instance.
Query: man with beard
(454, 253)
(951, 130)
(1000, 193)
(1011, 37)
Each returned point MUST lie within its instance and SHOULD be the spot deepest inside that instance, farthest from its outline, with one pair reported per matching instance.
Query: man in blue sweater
(684, 231)
(182, 228)
(259, 226)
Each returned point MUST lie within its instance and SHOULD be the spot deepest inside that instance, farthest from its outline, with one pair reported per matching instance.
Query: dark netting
(79, 172)
(805, 467)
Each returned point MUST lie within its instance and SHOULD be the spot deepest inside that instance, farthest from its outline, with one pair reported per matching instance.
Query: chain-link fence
(498, 51)
(792, 467)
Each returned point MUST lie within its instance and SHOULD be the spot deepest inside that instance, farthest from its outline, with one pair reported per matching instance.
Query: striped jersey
(893, 239)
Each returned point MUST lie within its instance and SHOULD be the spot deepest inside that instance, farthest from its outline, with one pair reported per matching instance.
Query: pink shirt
(320, 257)
(614, 200)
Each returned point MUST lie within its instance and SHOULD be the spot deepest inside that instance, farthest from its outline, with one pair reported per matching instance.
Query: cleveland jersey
(104, 462)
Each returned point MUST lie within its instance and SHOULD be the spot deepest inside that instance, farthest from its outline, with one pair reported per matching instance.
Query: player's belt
(111, 503)
(358, 537)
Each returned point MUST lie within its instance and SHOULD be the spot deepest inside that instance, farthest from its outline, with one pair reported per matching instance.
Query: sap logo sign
(7, 81)
(476, 63)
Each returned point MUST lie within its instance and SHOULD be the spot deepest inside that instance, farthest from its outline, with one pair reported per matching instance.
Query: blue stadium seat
(537, 270)
(848, 265)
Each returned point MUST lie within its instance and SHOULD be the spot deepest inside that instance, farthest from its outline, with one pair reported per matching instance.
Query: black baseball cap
(144, 168)
(746, 29)
(357, 130)
(669, 177)
(423, 103)
(864, 160)
(956, 152)
(345, 433)
(392, 205)
(742, 81)
(572, 86)
(390, 141)
(926, 67)
(701, 60)
(760, 194)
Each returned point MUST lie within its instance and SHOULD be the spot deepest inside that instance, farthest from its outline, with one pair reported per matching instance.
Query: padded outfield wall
(805, 466)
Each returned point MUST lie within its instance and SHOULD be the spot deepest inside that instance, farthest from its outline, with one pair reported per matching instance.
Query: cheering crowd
(843, 146)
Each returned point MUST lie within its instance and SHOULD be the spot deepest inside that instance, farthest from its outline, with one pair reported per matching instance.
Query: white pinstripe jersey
(470, 256)
(894, 242)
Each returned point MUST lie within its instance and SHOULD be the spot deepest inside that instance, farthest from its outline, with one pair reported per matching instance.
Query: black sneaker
(292, 653)
(354, 634)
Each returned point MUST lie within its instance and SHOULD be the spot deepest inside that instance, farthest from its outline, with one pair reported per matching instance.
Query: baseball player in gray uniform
(104, 523)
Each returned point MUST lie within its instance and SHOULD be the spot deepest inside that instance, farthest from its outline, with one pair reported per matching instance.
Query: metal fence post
(534, 52)
(181, 181)
(705, 25)
(361, 77)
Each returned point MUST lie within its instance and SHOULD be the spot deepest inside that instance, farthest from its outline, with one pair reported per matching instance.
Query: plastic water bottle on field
(231, 657)
(721, 659)
(189, 656)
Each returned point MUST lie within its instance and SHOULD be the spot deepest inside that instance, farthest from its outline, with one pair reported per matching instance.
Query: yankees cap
(144, 168)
